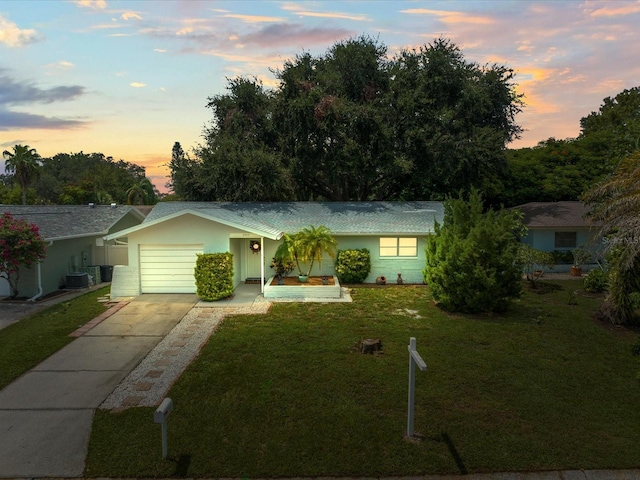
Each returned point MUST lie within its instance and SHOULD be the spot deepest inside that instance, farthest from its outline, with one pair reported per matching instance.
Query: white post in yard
(160, 416)
(262, 265)
(414, 359)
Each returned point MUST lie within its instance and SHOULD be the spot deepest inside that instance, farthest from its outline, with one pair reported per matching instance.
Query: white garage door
(168, 268)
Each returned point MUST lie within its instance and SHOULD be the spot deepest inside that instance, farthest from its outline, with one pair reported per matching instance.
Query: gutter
(39, 294)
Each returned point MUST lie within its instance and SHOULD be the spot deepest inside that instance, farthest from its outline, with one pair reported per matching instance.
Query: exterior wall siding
(63, 257)
(188, 228)
(409, 267)
(216, 238)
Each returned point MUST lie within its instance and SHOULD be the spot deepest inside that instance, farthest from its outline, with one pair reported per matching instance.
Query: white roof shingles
(342, 218)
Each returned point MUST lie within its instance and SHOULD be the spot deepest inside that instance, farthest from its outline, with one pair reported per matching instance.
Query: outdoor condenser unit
(77, 280)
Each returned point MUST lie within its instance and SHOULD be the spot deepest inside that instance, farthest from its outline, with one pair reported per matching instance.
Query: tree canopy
(556, 170)
(354, 124)
(79, 178)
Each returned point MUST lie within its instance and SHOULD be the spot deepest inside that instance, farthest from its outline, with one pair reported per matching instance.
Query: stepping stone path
(150, 381)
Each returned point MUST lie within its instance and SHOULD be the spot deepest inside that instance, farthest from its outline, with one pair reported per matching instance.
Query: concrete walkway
(46, 415)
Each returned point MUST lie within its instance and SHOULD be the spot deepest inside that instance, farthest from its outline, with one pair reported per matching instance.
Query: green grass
(287, 394)
(31, 340)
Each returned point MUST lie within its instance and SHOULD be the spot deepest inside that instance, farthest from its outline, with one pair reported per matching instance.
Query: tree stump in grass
(371, 345)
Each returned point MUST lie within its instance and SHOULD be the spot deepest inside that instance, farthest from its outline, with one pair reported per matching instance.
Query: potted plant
(307, 245)
(580, 256)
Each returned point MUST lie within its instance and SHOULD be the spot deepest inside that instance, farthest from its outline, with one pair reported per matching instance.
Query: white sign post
(160, 416)
(414, 359)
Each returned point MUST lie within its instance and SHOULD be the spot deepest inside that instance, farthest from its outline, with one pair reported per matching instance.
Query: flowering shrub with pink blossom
(20, 246)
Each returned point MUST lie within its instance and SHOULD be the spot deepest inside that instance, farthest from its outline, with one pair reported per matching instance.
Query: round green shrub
(214, 276)
(353, 266)
(596, 281)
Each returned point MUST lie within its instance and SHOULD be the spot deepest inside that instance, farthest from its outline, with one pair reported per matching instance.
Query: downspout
(39, 269)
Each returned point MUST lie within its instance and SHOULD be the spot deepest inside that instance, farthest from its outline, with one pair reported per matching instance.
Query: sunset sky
(130, 78)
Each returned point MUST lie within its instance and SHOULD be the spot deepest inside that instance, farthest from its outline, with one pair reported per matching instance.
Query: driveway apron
(46, 415)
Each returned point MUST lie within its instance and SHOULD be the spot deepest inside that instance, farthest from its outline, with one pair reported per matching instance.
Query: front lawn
(31, 340)
(288, 394)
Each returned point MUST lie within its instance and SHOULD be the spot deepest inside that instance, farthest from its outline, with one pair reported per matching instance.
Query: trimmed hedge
(353, 266)
(214, 276)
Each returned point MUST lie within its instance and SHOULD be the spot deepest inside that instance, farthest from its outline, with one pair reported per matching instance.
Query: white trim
(123, 233)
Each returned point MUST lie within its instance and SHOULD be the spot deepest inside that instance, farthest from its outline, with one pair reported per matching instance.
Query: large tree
(614, 130)
(24, 164)
(240, 160)
(335, 121)
(353, 124)
(453, 120)
(183, 175)
(557, 170)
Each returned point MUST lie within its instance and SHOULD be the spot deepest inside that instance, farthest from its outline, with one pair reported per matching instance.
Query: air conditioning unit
(93, 271)
(77, 280)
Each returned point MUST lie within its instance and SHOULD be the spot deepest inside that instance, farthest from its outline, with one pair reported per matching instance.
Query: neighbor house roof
(275, 218)
(556, 215)
(59, 222)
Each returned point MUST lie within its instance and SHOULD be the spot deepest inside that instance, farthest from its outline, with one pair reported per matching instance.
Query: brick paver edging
(92, 323)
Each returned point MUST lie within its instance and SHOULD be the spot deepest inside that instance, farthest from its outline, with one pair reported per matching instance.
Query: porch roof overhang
(267, 232)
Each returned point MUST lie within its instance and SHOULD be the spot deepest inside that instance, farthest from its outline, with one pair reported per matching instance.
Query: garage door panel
(168, 268)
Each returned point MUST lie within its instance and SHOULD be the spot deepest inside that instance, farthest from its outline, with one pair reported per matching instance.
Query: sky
(130, 78)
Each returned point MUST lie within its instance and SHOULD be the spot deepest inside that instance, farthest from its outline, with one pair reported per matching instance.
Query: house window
(565, 240)
(398, 247)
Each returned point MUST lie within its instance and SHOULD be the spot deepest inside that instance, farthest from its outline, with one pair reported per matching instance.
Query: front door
(253, 257)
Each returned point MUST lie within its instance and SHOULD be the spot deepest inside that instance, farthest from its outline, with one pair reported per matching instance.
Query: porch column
(262, 265)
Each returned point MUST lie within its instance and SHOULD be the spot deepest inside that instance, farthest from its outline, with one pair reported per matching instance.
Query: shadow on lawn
(182, 465)
(444, 437)
(543, 288)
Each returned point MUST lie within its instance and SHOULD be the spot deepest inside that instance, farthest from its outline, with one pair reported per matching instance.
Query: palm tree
(307, 245)
(24, 164)
(616, 204)
(140, 193)
(312, 242)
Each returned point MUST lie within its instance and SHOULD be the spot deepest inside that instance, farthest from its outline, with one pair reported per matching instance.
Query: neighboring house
(162, 249)
(74, 236)
(558, 227)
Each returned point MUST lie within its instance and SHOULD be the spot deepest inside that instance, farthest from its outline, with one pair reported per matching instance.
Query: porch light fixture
(254, 246)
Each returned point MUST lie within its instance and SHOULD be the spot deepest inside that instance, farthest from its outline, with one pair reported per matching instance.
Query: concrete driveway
(46, 415)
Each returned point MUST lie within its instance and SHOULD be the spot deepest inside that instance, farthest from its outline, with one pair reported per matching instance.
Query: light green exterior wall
(216, 237)
(410, 267)
(186, 229)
